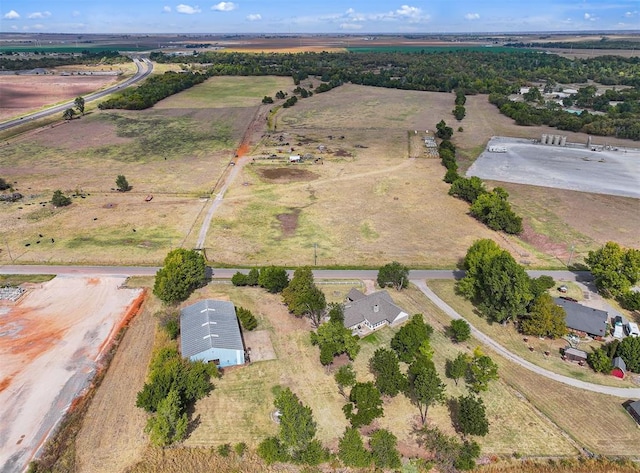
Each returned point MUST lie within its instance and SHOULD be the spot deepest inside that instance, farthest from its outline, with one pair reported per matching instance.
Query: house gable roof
(374, 308)
(355, 295)
(582, 318)
(619, 363)
(635, 407)
(209, 324)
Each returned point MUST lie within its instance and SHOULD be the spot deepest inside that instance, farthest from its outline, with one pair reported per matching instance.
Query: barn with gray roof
(209, 331)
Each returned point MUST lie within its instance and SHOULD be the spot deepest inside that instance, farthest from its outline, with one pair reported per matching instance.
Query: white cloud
(166, 9)
(350, 26)
(12, 15)
(38, 26)
(187, 9)
(254, 17)
(472, 16)
(39, 15)
(589, 17)
(631, 14)
(224, 6)
(406, 10)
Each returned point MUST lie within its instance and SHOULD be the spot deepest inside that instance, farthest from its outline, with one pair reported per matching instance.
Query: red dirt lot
(24, 93)
(51, 341)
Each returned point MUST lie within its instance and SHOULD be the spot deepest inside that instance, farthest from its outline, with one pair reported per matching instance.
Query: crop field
(363, 201)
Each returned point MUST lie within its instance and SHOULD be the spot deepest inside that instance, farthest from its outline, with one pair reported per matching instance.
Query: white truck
(632, 329)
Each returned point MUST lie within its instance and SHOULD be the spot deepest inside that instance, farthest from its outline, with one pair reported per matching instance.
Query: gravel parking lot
(614, 171)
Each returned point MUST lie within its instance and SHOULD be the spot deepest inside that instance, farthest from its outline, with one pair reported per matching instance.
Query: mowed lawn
(240, 407)
(365, 203)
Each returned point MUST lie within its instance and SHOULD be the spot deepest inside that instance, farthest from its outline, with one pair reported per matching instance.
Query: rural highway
(417, 277)
(144, 68)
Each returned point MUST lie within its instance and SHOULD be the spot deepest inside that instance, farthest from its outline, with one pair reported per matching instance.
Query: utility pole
(8, 249)
(571, 255)
(315, 254)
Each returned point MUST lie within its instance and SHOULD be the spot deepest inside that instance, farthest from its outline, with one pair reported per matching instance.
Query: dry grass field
(364, 203)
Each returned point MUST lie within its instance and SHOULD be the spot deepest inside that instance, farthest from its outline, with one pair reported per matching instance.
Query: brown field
(364, 172)
(25, 93)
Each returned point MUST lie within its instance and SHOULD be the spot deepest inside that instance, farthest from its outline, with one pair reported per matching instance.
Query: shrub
(240, 449)
(247, 319)
(224, 450)
(59, 199)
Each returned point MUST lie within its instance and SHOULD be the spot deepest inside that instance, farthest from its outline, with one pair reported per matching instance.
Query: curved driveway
(144, 68)
(612, 391)
(417, 277)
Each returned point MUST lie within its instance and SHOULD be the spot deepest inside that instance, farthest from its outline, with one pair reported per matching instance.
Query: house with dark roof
(363, 313)
(633, 408)
(209, 331)
(584, 319)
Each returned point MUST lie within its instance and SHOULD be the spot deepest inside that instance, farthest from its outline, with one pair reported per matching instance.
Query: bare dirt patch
(288, 174)
(289, 222)
(21, 94)
(50, 350)
(260, 346)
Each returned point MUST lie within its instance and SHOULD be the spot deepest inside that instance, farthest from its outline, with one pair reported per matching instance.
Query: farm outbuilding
(573, 354)
(209, 331)
(633, 408)
(619, 368)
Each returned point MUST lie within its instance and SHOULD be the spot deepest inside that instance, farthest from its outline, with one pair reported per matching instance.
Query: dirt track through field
(52, 340)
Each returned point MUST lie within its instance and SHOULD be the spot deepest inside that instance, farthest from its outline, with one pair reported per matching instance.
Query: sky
(319, 16)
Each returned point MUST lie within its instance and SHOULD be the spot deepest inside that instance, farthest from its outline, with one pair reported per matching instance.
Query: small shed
(619, 368)
(573, 354)
(633, 408)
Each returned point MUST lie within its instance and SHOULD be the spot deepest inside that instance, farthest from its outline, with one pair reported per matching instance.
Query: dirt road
(52, 339)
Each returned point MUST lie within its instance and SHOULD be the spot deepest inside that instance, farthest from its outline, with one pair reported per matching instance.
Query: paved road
(144, 66)
(626, 393)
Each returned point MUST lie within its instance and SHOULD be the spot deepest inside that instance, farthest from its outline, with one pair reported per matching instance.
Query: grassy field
(17, 279)
(514, 341)
(366, 204)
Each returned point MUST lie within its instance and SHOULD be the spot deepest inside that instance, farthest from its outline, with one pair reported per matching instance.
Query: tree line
(22, 63)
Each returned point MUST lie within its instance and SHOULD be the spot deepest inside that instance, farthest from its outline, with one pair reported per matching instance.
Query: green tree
(385, 367)
(477, 259)
(533, 95)
(425, 388)
(336, 313)
(505, 289)
(467, 189)
(457, 368)
(182, 273)
(384, 451)
(599, 361)
(482, 370)
(59, 199)
(266, 99)
(540, 285)
(247, 319)
(351, 449)
(407, 341)
(297, 426)
(313, 454)
(395, 275)
(79, 103)
(629, 351)
(345, 377)
(471, 416)
(273, 279)
(630, 300)
(68, 114)
(169, 424)
(333, 339)
(443, 132)
(545, 318)
(122, 183)
(493, 209)
(614, 269)
(271, 450)
(459, 112)
(460, 330)
(365, 404)
(252, 277)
